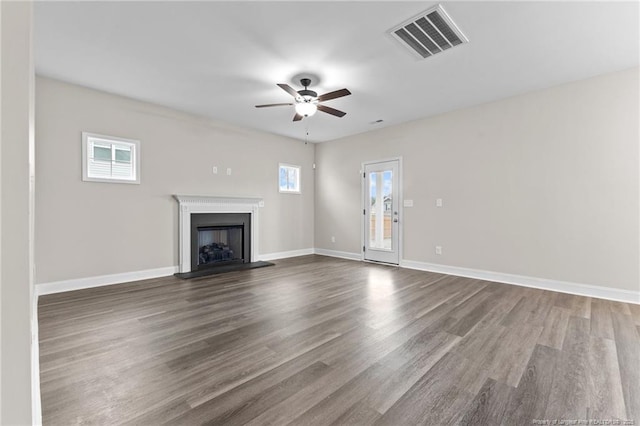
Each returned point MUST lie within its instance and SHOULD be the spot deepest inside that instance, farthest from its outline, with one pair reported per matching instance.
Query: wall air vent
(429, 33)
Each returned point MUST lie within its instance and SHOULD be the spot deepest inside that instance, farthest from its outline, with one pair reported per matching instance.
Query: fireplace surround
(201, 211)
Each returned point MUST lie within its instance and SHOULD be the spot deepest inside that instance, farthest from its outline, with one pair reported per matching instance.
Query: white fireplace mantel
(189, 204)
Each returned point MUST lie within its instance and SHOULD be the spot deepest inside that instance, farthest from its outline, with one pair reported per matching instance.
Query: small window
(110, 159)
(289, 178)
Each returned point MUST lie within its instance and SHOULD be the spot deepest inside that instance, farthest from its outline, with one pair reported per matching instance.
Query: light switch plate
(408, 203)
(439, 202)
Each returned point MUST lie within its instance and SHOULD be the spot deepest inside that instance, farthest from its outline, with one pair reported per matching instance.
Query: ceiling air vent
(429, 33)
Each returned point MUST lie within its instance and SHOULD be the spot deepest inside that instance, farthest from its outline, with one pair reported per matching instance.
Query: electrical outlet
(333, 239)
(438, 249)
(228, 171)
(439, 202)
(215, 170)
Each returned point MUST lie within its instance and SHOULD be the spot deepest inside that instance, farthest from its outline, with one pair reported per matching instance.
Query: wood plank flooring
(317, 341)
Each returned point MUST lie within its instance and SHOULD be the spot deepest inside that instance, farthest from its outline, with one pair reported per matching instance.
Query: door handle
(395, 220)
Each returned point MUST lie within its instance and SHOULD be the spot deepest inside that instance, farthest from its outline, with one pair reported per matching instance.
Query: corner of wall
(35, 362)
(19, 355)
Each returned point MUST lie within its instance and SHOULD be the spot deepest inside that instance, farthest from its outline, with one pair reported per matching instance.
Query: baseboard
(98, 281)
(102, 280)
(285, 254)
(588, 290)
(579, 289)
(340, 254)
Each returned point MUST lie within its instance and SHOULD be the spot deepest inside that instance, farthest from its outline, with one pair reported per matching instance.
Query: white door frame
(363, 217)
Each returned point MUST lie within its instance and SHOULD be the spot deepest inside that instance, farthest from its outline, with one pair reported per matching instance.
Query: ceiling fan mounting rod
(305, 93)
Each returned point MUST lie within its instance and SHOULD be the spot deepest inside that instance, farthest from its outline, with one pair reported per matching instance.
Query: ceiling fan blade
(271, 105)
(331, 111)
(290, 90)
(297, 117)
(332, 95)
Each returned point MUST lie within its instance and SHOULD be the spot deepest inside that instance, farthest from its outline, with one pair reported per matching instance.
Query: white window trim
(85, 158)
(286, 191)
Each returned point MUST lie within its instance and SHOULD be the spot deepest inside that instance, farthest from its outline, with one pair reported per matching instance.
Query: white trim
(287, 254)
(102, 280)
(339, 254)
(579, 289)
(600, 292)
(36, 402)
(189, 204)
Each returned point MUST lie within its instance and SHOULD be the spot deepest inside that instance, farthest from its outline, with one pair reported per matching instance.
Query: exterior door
(381, 214)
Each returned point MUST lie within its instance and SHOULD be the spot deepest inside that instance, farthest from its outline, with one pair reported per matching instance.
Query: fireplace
(217, 244)
(211, 212)
(220, 239)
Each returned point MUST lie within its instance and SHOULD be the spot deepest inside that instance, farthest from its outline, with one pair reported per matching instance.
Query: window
(110, 159)
(289, 178)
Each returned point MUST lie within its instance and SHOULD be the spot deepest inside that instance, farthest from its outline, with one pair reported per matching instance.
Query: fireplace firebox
(220, 239)
(220, 244)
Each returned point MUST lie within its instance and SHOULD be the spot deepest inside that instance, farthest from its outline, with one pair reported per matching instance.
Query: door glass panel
(381, 210)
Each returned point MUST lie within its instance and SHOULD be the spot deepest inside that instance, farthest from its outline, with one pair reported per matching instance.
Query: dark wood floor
(317, 340)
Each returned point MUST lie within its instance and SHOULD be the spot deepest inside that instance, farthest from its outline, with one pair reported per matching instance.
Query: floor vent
(429, 33)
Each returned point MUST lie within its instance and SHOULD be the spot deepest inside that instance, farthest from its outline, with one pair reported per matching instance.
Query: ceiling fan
(307, 102)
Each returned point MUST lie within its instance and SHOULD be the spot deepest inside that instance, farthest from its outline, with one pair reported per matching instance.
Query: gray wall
(16, 256)
(542, 185)
(86, 229)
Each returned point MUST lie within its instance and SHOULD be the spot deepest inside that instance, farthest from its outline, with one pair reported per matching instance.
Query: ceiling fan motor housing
(307, 94)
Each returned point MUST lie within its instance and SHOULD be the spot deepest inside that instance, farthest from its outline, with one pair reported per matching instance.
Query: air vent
(429, 33)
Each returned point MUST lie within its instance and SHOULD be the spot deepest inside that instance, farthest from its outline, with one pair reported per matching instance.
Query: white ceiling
(219, 59)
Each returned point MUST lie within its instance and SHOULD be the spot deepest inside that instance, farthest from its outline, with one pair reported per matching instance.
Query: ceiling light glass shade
(306, 109)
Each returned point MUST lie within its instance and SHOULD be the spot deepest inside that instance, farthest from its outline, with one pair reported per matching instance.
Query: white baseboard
(286, 254)
(618, 295)
(98, 281)
(599, 292)
(102, 280)
(340, 254)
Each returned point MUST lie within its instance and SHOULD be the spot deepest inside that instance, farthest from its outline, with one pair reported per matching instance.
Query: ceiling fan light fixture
(307, 102)
(306, 109)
